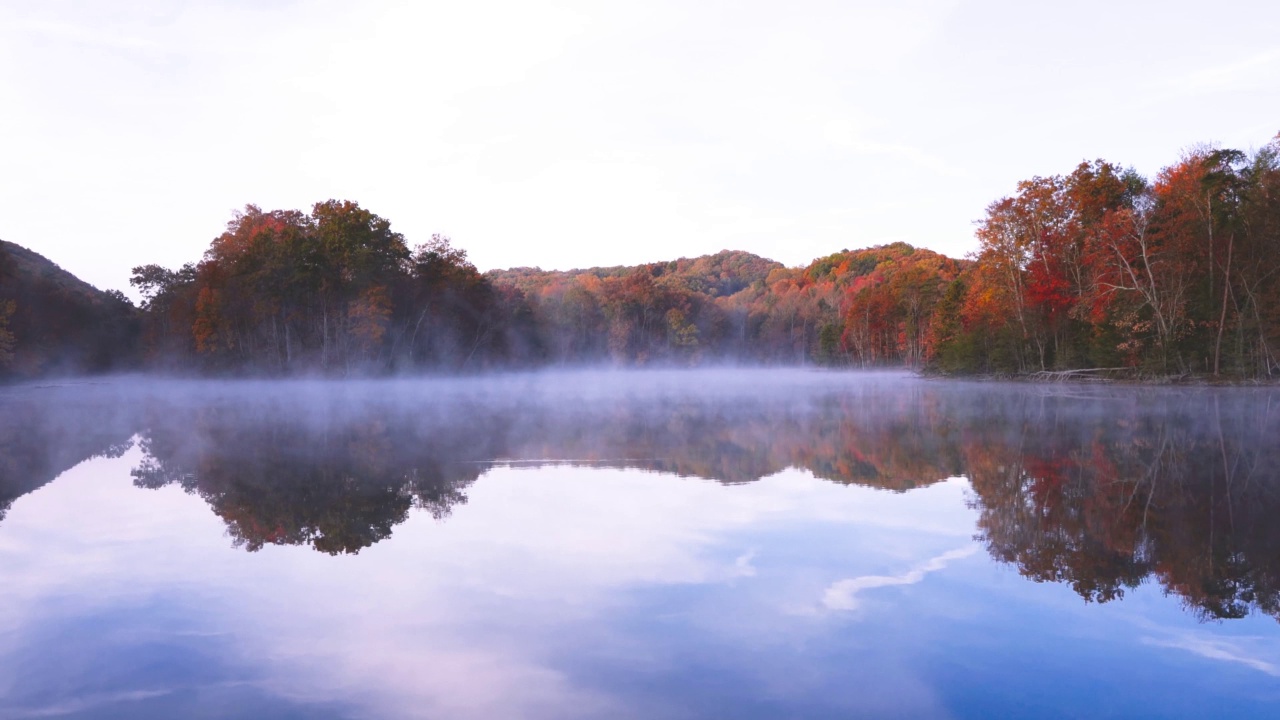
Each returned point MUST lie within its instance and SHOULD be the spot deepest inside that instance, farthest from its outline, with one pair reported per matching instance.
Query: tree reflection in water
(337, 484)
(1179, 487)
(46, 431)
(1099, 488)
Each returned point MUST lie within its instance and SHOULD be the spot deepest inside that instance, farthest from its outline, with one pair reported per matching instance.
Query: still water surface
(651, 545)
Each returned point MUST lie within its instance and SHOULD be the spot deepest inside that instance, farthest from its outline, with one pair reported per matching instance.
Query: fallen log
(1077, 373)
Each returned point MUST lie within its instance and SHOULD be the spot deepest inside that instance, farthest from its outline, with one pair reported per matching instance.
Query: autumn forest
(1095, 270)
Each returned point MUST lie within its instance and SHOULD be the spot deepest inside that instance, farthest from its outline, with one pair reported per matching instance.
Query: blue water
(601, 546)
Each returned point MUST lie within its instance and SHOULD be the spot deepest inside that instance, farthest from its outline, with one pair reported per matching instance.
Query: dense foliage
(866, 307)
(1102, 268)
(52, 322)
(335, 290)
(1096, 269)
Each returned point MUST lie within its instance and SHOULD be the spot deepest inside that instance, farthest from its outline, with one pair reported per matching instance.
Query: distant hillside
(718, 275)
(53, 322)
(868, 306)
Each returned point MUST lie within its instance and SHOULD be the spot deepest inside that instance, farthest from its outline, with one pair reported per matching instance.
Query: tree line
(1102, 267)
(335, 290)
(1099, 268)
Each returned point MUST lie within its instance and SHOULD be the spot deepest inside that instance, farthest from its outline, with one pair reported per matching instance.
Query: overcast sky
(571, 134)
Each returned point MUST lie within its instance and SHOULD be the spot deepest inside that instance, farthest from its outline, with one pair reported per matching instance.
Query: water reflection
(1100, 489)
(283, 480)
(46, 431)
(1180, 487)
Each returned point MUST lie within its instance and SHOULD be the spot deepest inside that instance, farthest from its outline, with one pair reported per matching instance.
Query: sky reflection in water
(752, 544)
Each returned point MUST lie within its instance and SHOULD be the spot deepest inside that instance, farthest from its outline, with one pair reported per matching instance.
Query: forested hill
(740, 307)
(1096, 269)
(719, 275)
(53, 322)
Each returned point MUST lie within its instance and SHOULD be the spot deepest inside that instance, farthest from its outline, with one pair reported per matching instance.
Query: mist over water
(745, 543)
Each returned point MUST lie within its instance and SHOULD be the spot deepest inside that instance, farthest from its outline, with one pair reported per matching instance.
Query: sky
(574, 134)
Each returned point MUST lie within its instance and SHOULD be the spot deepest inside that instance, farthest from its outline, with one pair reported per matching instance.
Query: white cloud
(80, 705)
(742, 564)
(843, 594)
(1225, 649)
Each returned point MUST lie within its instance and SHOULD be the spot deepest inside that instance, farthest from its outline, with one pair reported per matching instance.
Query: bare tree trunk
(1222, 318)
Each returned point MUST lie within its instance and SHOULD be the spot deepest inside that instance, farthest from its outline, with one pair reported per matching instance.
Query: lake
(682, 544)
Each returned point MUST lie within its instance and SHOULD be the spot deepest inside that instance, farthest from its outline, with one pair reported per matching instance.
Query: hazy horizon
(570, 135)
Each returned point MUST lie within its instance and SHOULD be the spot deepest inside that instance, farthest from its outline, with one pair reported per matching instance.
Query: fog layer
(1098, 487)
